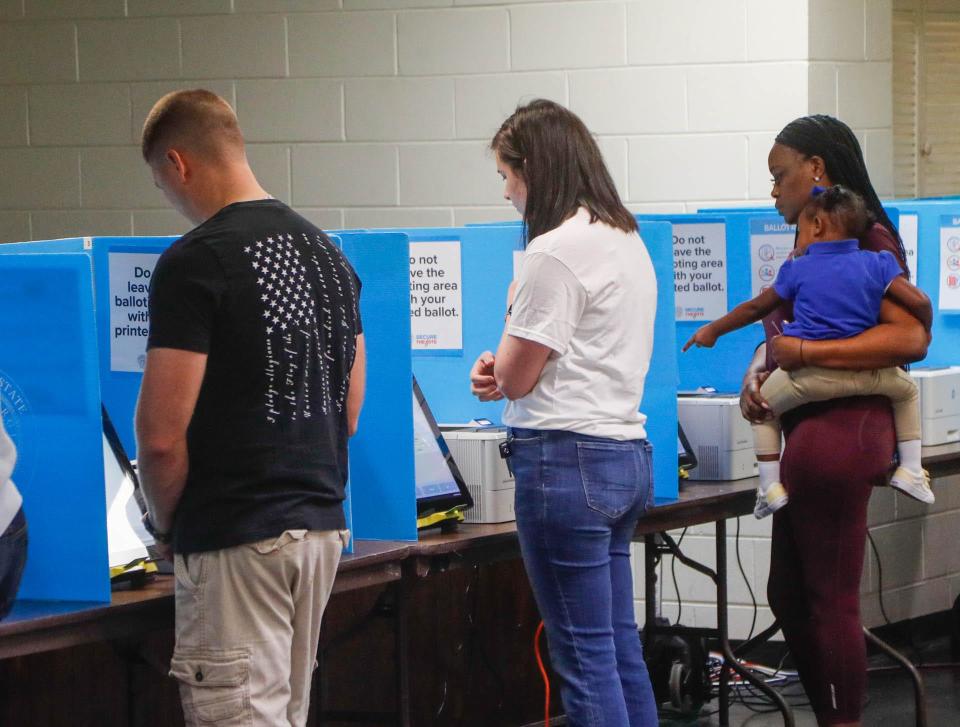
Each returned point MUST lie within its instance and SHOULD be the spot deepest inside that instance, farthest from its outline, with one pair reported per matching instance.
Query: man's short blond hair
(196, 120)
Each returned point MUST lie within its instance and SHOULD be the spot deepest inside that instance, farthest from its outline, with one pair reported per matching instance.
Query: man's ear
(179, 163)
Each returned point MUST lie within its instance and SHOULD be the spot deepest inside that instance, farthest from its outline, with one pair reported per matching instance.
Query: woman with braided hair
(836, 451)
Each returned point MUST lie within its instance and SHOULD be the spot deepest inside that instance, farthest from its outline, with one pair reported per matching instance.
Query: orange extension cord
(543, 673)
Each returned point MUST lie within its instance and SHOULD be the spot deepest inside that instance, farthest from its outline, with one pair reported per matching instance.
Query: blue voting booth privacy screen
(381, 453)
(722, 366)
(122, 269)
(487, 268)
(50, 397)
(935, 219)
(486, 258)
(660, 388)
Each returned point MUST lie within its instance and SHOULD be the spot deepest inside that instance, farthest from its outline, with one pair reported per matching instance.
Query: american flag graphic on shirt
(308, 321)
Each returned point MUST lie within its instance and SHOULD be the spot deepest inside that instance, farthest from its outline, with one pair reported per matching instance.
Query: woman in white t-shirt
(572, 360)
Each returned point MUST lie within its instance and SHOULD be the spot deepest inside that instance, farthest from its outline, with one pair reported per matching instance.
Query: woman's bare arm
(898, 339)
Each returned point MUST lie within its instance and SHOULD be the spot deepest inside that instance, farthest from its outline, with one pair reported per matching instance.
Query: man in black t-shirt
(253, 383)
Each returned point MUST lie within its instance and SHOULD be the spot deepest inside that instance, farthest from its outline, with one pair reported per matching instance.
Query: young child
(836, 290)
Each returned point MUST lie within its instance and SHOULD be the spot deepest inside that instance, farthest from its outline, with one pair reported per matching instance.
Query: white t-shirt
(10, 499)
(588, 292)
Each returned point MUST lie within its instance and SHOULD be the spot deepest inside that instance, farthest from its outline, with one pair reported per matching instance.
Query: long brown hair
(560, 162)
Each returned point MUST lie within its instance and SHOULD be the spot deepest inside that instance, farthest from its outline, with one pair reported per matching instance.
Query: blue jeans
(578, 500)
(13, 557)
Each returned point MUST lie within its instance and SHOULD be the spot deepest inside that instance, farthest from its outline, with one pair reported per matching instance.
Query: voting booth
(431, 301)
(449, 330)
(50, 396)
(931, 234)
(930, 230)
(75, 334)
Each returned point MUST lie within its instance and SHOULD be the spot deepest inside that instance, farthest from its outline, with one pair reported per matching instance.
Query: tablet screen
(433, 473)
(439, 484)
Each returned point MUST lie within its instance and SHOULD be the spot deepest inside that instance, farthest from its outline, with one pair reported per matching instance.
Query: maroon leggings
(836, 452)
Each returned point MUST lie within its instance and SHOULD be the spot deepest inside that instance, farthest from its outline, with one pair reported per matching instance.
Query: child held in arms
(836, 289)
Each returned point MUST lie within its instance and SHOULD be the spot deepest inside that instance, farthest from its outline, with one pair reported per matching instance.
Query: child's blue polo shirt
(836, 289)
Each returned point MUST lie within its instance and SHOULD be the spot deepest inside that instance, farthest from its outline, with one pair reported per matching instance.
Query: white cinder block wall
(378, 112)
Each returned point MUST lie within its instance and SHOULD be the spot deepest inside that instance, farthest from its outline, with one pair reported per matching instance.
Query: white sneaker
(769, 503)
(913, 484)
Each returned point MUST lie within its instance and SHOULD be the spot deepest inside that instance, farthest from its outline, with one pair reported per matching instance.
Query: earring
(817, 179)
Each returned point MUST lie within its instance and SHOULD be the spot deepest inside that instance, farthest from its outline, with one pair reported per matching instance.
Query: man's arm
(744, 314)
(168, 395)
(913, 299)
(358, 386)
(898, 339)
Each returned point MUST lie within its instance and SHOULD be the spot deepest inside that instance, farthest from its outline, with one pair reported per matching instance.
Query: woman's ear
(818, 168)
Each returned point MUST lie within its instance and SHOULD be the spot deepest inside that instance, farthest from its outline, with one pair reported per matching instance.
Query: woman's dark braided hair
(834, 142)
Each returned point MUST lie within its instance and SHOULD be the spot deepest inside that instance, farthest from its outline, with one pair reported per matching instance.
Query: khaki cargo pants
(785, 391)
(248, 625)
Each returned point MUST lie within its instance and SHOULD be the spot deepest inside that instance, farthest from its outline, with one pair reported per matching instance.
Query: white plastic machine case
(477, 454)
(719, 436)
(939, 404)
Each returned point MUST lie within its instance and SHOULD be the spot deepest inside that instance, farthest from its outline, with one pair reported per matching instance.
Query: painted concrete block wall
(378, 112)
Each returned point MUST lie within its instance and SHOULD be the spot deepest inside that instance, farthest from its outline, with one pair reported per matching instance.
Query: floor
(890, 695)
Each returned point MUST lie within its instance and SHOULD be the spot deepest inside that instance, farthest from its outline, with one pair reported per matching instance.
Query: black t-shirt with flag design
(275, 306)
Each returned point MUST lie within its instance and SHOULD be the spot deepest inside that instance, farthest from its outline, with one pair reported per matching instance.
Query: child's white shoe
(913, 484)
(770, 501)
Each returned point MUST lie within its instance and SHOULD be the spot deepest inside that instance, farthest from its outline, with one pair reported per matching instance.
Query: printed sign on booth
(700, 270)
(129, 314)
(436, 300)
(908, 233)
(771, 241)
(949, 263)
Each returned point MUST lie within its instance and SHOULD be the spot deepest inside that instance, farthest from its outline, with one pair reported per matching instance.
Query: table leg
(650, 590)
(919, 692)
(403, 657)
(729, 660)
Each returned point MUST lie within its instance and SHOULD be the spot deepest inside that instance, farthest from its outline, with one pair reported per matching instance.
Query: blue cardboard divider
(944, 349)
(660, 388)
(382, 476)
(723, 365)
(383, 267)
(50, 395)
(487, 269)
(121, 388)
(486, 261)
(727, 361)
